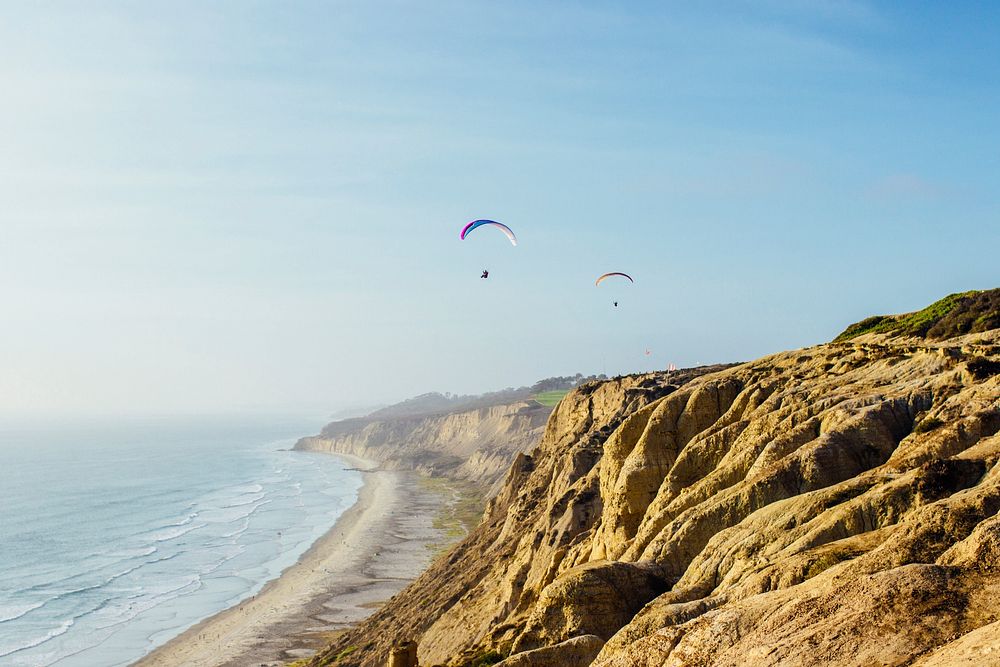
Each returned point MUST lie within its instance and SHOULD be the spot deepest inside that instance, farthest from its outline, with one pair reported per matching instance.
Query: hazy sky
(225, 206)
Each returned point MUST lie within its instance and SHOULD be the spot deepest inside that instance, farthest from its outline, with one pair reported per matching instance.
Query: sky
(255, 206)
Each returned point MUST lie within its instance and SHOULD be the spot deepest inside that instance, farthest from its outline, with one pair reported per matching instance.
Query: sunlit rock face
(473, 445)
(832, 505)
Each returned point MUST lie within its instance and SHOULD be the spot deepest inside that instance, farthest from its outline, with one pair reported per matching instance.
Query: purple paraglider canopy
(476, 224)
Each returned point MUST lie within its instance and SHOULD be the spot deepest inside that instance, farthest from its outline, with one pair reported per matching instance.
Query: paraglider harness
(486, 274)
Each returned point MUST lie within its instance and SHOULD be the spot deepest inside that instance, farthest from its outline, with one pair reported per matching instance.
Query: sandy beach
(375, 548)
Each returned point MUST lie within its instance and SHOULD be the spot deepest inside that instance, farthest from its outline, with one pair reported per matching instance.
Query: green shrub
(954, 315)
(486, 659)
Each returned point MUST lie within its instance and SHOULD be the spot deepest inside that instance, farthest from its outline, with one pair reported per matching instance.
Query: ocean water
(115, 538)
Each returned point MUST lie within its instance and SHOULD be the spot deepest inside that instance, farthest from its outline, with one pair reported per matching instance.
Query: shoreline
(374, 549)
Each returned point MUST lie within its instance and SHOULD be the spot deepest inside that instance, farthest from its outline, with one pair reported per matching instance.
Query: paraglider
(476, 224)
(613, 273)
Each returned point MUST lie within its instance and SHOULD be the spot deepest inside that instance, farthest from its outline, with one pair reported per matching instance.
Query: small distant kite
(648, 352)
(476, 224)
(611, 275)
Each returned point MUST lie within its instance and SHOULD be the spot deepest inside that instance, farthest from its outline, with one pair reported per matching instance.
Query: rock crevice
(833, 505)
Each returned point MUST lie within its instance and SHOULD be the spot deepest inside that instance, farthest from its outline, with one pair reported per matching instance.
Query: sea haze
(116, 537)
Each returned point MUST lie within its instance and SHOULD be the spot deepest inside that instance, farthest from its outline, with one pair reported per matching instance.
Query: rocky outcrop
(833, 505)
(476, 445)
(579, 651)
(500, 568)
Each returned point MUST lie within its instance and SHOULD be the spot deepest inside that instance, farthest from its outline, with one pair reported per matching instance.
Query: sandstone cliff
(476, 445)
(831, 505)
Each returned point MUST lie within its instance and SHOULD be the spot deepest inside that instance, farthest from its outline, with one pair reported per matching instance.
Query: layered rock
(832, 505)
(475, 445)
(500, 568)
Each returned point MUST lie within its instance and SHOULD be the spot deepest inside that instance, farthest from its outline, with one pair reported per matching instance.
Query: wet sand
(376, 548)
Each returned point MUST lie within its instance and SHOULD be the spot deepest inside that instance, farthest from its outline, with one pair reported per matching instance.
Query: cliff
(831, 505)
(476, 445)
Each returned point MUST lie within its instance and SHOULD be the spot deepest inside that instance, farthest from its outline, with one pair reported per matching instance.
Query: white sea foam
(233, 514)
(58, 595)
(120, 614)
(247, 488)
(245, 501)
(61, 629)
(238, 550)
(140, 552)
(173, 532)
(96, 592)
(184, 521)
(244, 526)
(14, 611)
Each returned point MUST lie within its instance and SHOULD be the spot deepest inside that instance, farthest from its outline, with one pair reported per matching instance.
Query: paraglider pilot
(486, 274)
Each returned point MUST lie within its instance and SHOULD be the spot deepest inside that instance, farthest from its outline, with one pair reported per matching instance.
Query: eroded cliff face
(832, 505)
(461, 590)
(474, 445)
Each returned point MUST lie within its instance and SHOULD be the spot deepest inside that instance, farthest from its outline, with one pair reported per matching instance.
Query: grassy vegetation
(954, 315)
(461, 512)
(874, 324)
(486, 659)
(333, 660)
(550, 398)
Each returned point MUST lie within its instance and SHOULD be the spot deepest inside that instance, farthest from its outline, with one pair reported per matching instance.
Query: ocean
(116, 537)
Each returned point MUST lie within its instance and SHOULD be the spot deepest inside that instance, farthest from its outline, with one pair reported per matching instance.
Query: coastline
(373, 550)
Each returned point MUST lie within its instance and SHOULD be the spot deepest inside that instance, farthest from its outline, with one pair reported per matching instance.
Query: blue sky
(211, 207)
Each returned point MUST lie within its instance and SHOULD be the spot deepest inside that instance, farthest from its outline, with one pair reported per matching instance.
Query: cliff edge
(472, 438)
(475, 445)
(831, 505)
